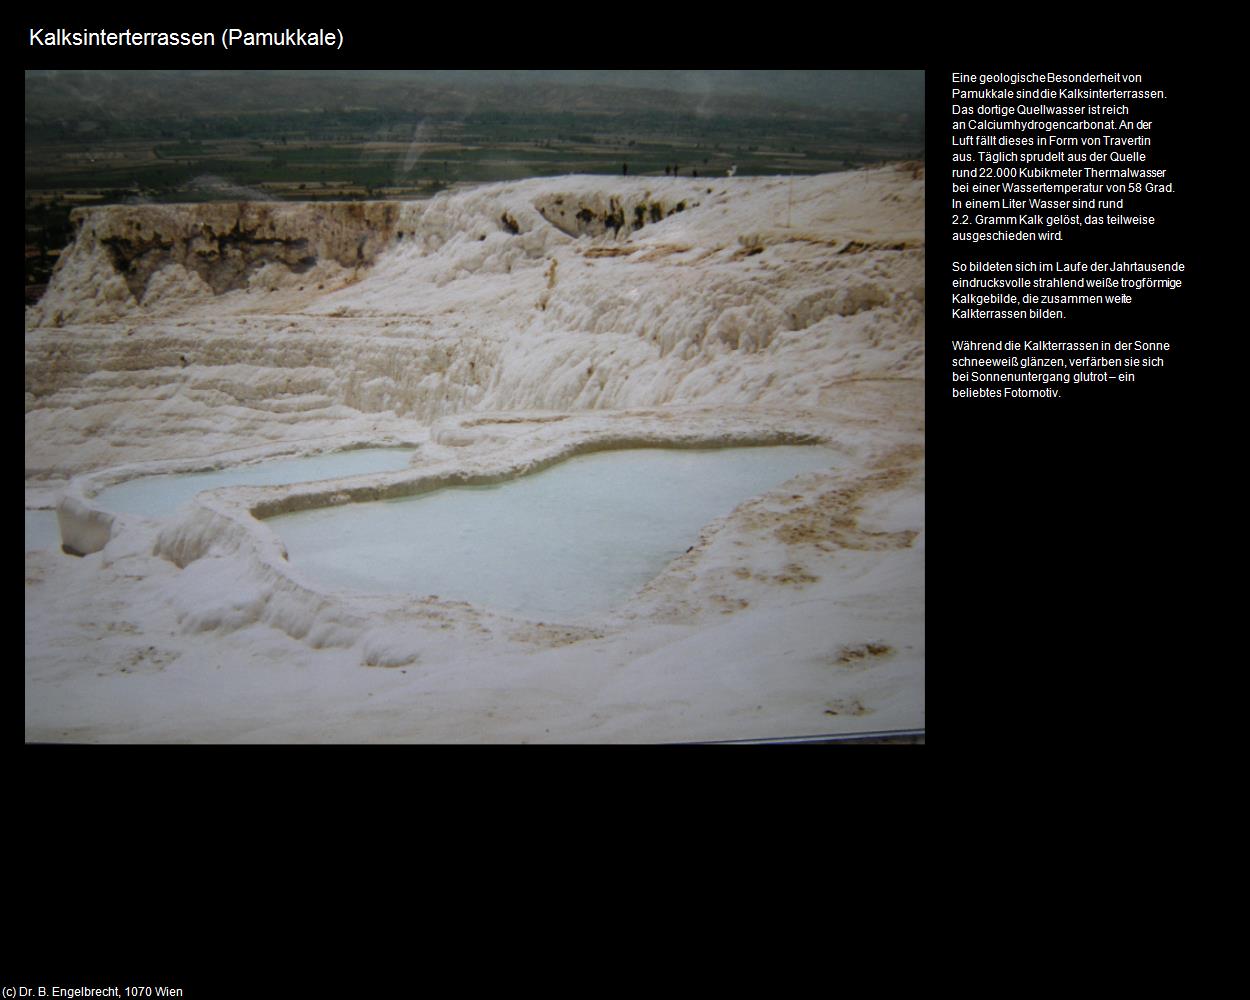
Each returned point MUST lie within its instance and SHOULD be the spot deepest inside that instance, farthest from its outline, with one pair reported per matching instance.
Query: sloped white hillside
(494, 330)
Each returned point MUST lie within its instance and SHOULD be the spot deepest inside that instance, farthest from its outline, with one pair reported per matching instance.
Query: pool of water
(160, 496)
(572, 540)
(42, 530)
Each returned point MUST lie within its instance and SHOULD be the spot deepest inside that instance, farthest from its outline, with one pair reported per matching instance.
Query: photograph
(386, 406)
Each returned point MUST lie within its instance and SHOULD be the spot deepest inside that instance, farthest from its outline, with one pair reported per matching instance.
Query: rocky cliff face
(151, 255)
(598, 213)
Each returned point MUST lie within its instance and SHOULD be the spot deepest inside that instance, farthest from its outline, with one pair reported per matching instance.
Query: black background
(1066, 613)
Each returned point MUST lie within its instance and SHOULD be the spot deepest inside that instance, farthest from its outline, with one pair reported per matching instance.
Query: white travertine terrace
(494, 330)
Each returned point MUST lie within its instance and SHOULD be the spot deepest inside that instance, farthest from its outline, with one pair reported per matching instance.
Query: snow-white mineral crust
(494, 330)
